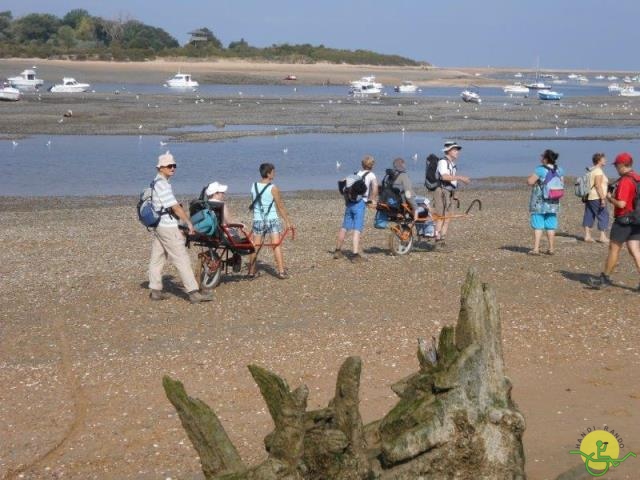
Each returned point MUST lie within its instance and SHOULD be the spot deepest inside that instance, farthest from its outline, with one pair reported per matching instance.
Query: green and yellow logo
(600, 450)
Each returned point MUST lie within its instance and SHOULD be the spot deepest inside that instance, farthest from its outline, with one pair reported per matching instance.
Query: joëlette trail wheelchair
(403, 228)
(223, 248)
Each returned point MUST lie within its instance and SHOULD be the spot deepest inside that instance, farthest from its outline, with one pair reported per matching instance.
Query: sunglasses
(172, 166)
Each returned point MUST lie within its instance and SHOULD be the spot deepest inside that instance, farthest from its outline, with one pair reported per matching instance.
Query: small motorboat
(518, 75)
(614, 88)
(26, 80)
(406, 87)
(629, 92)
(69, 85)
(599, 77)
(364, 90)
(549, 95)
(611, 78)
(182, 80)
(471, 95)
(9, 94)
(537, 86)
(515, 90)
(627, 79)
(291, 77)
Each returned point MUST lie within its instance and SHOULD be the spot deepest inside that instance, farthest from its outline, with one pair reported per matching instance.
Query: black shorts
(622, 233)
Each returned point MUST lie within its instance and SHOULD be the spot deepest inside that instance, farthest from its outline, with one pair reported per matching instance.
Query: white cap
(215, 187)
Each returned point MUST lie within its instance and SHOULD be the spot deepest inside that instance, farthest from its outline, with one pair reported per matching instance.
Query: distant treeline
(79, 35)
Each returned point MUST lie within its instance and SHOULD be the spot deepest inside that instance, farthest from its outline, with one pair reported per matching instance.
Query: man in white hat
(445, 195)
(168, 241)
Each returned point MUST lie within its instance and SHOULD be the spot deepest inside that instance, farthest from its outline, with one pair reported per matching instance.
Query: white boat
(626, 79)
(69, 85)
(406, 87)
(471, 95)
(614, 88)
(599, 77)
(9, 94)
(367, 82)
(182, 80)
(364, 90)
(518, 75)
(549, 95)
(572, 76)
(516, 90)
(629, 92)
(537, 86)
(582, 79)
(611, 78)
(558, 81)
(26, 80)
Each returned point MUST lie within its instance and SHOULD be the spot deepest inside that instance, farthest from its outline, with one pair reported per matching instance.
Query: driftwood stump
(454, 419)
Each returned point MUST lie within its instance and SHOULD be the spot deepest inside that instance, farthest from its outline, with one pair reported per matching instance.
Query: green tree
(86, 29)
(141, 36)
(35, 26)
(5, 25)
(74, 17)
(66, 36)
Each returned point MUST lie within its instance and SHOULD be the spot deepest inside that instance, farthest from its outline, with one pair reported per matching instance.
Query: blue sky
(574, 34)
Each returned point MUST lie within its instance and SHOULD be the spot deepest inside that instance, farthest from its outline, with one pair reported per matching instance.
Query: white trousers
(168, 243)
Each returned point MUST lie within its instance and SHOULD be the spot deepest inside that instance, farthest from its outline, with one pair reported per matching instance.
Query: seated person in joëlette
(215, 193)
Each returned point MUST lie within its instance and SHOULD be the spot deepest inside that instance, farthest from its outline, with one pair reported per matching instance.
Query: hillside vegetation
(81, 36)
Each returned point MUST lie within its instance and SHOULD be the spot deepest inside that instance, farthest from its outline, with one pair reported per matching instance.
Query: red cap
(623, 158)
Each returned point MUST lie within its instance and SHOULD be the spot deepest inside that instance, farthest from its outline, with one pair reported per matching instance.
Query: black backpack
(390, 195)
(353, 187)
(431, 177)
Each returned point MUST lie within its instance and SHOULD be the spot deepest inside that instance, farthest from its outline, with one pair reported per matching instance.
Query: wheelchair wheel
(401, 240)
(210, 270)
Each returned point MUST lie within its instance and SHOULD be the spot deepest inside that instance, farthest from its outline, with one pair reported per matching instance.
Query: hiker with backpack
(547, 182)
(359, 190)
(445, 193)
(626, 213)
(268, 207)
(595, 200)
(168, 241)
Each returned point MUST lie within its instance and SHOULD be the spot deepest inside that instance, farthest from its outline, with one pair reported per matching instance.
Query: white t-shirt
(163, 198)
(445, 167)
(368, 181)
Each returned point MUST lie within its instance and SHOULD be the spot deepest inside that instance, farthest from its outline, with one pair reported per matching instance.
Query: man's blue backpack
(147, 214)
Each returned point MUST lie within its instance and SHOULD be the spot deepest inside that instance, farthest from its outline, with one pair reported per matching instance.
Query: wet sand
(130, 113)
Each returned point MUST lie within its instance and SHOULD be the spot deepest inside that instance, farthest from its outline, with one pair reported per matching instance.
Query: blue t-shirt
(537, 203)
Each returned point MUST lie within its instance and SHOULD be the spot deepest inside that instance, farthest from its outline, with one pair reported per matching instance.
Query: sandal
(533, 253)
(282, 275)
(253, 275)
(550, 252)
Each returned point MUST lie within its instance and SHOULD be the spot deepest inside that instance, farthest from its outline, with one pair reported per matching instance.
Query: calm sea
(123, 165)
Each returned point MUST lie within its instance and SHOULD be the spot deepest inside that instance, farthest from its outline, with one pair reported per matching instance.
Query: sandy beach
(83, 350)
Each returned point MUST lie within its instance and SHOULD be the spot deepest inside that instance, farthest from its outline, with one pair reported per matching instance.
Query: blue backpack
(205, 222)
(147, 214)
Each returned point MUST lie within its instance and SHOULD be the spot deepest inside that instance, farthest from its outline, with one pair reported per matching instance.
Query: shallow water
(123, 165)
(329, 91)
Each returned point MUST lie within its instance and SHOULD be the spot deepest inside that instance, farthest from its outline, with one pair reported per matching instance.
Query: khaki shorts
(443, 201)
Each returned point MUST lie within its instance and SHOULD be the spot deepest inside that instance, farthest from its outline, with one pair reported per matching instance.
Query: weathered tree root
(455, 417)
